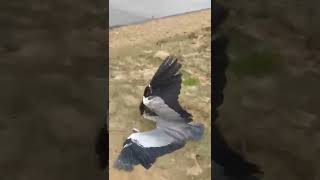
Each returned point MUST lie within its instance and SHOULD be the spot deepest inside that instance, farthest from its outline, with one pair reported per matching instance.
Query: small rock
(195, 170)
(161, 54)
(119, 77)
(192, 35)
(147, 51)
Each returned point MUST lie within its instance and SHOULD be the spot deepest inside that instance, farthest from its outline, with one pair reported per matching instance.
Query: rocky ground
(270, 113)
(135, 53)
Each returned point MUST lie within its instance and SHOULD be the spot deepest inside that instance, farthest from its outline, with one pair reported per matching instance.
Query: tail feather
(197, 131)
(126, 160)
(133, 155)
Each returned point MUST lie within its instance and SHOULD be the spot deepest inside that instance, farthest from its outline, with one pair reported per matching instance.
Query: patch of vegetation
(191, 82)
(188, 80)
(257, 63)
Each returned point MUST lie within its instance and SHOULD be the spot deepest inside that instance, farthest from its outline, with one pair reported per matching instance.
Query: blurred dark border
(54, 89)
(234, 165)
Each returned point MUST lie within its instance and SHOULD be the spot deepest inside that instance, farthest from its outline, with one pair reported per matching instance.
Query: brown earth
(136, 51)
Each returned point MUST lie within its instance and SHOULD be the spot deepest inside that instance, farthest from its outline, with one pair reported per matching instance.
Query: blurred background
(123, 12)
(270, 111)
(52, 95)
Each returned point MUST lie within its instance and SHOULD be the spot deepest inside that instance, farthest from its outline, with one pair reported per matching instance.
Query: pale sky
(121, 11)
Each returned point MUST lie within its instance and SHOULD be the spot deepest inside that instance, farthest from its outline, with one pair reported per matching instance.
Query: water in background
(123, 12)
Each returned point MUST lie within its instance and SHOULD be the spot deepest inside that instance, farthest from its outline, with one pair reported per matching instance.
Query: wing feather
(145, 147)
(165, 86)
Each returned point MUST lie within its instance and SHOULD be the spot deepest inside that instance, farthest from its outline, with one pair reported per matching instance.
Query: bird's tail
(133, 155)
(197, 130)
(125, 160)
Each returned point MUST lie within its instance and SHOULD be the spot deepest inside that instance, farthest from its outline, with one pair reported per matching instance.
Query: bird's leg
(135, 130)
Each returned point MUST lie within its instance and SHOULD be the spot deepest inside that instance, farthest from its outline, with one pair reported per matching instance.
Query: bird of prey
(174, 125)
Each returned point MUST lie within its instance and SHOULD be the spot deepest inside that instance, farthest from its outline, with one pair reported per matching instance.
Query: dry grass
(132, 64)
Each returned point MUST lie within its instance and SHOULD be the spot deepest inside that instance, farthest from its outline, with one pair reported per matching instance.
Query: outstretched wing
(144, 148)
(161, 96)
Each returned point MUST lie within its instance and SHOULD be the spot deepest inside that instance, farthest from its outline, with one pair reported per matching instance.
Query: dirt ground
(136, 51)
(52, 95)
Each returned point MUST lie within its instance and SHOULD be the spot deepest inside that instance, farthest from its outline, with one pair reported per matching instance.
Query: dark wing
(165, 86)
(144, 148)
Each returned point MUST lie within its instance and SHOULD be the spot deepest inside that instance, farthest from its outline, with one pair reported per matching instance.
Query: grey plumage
(174, 125)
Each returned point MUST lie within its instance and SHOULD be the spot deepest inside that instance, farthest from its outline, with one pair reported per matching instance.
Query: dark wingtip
(132, 155)
(170, 58)
(167, 71)
(197, 131)
(170, 62)
(123, 165)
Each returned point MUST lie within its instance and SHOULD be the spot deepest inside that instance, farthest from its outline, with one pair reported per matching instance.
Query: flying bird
(174, 125)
